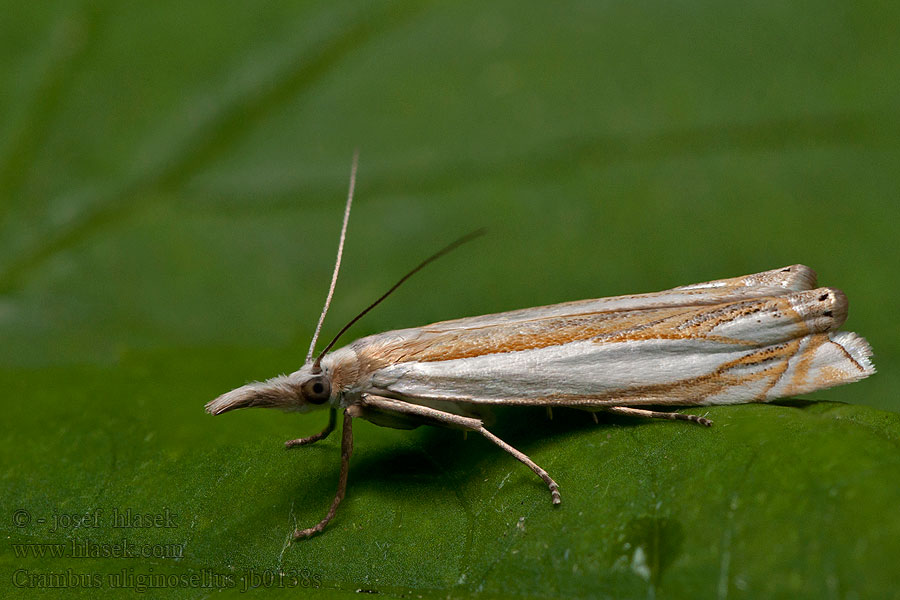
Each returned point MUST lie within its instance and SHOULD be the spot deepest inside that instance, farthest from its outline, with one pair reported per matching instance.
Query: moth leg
(523, 458)
(332, 421)
(656, 414)
(346, 451)
(438, 416)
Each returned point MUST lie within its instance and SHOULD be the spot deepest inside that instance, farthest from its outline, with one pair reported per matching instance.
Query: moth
(744, 339)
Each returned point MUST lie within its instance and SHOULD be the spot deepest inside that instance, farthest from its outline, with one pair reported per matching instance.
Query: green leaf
(792, 500)
(171, 186)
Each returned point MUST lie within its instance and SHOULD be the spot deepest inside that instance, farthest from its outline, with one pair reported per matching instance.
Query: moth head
(301, 391)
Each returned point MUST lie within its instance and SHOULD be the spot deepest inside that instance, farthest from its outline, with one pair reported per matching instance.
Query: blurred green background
(172, 178)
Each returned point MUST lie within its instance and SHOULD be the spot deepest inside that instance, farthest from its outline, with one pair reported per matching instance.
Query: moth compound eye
(316, 390)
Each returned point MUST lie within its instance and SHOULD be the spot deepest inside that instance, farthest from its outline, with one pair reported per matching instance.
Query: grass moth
(753, 338)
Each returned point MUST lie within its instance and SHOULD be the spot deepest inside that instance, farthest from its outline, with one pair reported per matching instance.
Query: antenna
(452, 246)
(337, 262)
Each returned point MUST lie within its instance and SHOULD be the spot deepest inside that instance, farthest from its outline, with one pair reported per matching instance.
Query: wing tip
(797, 277)
(794, 278)
(858, 351)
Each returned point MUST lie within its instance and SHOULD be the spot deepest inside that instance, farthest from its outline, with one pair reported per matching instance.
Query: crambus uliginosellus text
(746, 339)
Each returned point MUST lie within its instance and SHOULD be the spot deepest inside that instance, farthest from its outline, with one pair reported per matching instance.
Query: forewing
(739, 350)
(767, 283)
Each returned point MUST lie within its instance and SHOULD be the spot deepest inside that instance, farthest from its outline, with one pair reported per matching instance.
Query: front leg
(346, 451)
(332, 421)
(434, 416)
